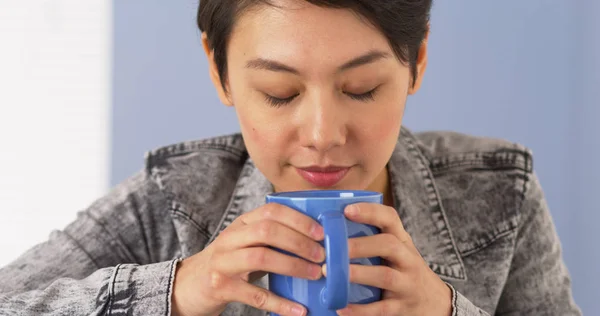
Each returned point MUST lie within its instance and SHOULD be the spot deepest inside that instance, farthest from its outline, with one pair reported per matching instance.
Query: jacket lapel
(419, 205)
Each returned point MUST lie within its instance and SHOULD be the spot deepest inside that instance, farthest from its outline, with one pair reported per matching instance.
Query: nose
(323, 124)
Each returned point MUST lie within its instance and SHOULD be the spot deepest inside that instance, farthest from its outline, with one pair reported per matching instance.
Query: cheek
(379, 136)
(252, 130)
(388, 125)
(258, 130)
(263, 137)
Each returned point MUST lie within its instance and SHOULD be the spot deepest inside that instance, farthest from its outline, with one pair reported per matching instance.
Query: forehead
(301, 33)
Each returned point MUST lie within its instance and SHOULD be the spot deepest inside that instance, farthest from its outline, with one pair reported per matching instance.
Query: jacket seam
(479, 164)
(526, 179)
(111, 291)
(475, 166)
(155, 178)
(78, 246)
(233, 203)
(425, 163)
(488, 243)
(170, 285)
(175, 150)
(454, 305)
(135, 208)
(500, 159)
(176, 211)
(499, 151)
(113, 240)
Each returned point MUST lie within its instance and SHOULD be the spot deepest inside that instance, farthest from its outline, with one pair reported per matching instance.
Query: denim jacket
(473, 207)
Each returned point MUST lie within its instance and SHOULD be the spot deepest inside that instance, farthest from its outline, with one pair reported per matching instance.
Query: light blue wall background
(527, 71)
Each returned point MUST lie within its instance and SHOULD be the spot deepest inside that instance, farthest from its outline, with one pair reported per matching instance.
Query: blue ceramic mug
(323, 297)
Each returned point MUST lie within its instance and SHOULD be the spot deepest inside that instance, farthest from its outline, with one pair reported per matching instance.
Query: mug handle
(335, 294)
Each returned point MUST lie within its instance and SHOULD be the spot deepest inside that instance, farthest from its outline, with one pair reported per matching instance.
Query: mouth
(323, 177)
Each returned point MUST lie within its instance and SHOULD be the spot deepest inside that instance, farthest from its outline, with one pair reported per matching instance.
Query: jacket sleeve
(116, 258)
(538, 282)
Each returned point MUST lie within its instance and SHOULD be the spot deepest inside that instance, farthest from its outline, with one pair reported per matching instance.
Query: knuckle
(306, 247)
(390, 278)
(353, 272)
(391, 211)
(390, 243)
(241, 219)
(301, 267)
(257, 257)
(385, 308)
(224, 234)
(389, 239)
(353, 246)
(406, 238)
(270, 210)
(259, 298)
(265, 230)
(217, 280)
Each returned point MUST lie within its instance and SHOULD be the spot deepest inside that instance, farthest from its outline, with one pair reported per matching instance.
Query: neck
(382, 185)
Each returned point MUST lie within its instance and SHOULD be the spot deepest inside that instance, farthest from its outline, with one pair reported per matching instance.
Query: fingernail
(315, 271)
(351, 210)
(318, 254)
(343, 312)
(298, 311)
(317, 231)
(324, 270)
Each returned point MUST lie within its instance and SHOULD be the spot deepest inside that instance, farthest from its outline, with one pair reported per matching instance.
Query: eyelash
(277, 102)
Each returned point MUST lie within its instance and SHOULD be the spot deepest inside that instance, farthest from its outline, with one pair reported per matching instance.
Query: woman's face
(319, 95)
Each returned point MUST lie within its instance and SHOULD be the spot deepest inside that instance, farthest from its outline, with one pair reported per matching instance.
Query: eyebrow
(272, 65)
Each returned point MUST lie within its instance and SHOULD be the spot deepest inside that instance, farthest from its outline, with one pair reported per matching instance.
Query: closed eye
(365, 97)
(277, 102)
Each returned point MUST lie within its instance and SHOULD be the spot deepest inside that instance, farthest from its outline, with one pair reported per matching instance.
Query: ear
(214, 72)
(421, 66)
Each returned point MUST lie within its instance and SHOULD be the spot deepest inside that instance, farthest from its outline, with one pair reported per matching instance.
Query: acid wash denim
(473, 207)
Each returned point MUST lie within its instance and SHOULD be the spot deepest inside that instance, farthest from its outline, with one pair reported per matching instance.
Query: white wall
(54, 115)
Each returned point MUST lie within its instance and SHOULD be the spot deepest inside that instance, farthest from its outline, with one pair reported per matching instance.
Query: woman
(319, 87)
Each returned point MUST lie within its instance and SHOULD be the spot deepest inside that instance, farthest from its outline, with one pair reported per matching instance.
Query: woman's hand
(221, 273)
(409, 286)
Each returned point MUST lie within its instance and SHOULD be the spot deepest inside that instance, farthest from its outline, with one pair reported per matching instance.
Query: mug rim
(330, 195)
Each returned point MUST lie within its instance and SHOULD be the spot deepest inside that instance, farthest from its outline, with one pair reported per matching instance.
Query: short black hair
(403, 22)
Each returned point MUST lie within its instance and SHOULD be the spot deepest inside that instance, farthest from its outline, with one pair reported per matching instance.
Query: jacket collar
(416, 199)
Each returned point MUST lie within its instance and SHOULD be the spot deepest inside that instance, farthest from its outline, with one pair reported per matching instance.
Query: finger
(382, 277)
(296, 220)
(261, 299)
(383, 307)
(265, 259)
(382, 245)
(275, 234)
(384, 217)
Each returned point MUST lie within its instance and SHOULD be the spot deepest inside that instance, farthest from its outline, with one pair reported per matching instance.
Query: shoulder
(198, 156)
(448, 151)
(198, 177)
(201, 166)
(481, 183)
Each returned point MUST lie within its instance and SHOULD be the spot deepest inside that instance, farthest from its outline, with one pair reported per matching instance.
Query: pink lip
(323, 177)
